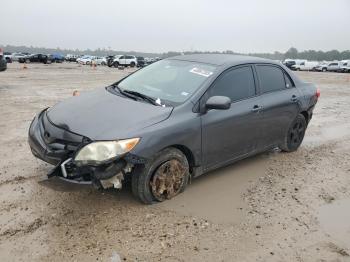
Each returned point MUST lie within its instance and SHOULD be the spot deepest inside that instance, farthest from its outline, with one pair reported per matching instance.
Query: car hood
(101, 115)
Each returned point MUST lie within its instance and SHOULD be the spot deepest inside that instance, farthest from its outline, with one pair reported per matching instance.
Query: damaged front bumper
(106, 176)
(57, 146)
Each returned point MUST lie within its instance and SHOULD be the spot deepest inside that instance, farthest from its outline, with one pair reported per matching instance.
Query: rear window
(271, 78)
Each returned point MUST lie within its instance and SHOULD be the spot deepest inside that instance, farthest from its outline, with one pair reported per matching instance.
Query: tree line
(292, 53)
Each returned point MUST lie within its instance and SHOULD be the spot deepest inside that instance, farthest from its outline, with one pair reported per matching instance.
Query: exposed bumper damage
(57, 146)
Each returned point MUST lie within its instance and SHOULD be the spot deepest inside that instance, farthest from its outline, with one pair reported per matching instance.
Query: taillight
(318, 92)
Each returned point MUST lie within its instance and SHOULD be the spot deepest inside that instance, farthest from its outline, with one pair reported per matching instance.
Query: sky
(177, 25)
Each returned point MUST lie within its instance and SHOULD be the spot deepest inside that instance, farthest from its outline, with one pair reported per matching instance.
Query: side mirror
(218, 102)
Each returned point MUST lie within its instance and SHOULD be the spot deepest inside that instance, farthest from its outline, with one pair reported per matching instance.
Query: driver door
(231, 134)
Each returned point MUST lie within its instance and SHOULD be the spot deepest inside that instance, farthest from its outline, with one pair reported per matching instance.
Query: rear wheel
(164, 177)
(324, 69)
(132, 64)
(295, 134)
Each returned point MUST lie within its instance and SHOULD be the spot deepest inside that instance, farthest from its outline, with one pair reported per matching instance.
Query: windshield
(169, 80)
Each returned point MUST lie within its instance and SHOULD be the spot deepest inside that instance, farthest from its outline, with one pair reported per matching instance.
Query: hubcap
(167, 180)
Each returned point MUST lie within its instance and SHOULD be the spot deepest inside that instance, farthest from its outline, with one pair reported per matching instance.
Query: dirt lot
(273, 207)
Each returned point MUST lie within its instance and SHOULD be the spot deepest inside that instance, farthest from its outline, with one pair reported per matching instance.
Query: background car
(125, 60)
(16, 56)
(57, 58)
(8, 57)
(36, 58)
(3, 63)
(334, 66)
(85, 60)
(291, 62)
(305, 66)
(99, 60)
(345, 68)
(110, 60)
(71, 58)
(322, 67)
(141, 62)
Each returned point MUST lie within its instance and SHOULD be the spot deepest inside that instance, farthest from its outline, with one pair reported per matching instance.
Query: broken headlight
(102, 151)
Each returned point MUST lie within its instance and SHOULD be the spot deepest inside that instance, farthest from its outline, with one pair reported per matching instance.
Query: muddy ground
(272, 207)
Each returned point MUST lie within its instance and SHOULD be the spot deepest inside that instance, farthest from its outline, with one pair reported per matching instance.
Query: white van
(306, 66)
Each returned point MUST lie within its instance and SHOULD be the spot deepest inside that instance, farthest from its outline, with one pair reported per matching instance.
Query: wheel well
(188, 153)
(306, 116)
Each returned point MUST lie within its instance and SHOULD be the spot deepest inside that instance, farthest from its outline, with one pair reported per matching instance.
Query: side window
(288, 81)
(271, 78)
(236, 84)
(122, 57)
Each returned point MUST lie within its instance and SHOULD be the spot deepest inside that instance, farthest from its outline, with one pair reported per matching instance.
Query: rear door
(122, 60)
(232, 133)
(332, 67)
(128, 59)
(280, 101)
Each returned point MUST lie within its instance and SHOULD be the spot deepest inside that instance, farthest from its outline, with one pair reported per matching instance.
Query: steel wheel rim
(168, 180)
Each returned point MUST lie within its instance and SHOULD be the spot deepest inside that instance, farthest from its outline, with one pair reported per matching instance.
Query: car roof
(221, 59)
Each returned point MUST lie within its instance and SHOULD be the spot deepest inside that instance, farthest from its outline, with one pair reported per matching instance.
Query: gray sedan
(174, 119)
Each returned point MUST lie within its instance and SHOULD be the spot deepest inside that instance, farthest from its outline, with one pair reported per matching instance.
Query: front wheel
(162, 178)
(294, 135)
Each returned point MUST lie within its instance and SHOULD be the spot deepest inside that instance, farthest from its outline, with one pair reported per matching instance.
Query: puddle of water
(216, 196)
(335, 220)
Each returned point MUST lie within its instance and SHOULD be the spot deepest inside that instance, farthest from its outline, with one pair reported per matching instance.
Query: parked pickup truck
(345, 68)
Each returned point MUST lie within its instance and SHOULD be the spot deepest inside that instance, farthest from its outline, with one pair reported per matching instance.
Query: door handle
(257, 108)
(294, 98)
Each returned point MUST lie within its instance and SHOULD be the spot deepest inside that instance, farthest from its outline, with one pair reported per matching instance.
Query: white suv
(125, 60)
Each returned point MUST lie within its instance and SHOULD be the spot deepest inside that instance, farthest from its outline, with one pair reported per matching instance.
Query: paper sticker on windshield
(201, 72)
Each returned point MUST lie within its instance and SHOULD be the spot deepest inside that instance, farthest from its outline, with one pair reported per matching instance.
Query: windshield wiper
(143, 96)
(116, 87)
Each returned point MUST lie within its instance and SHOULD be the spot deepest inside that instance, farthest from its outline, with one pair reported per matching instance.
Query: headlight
(98, 152)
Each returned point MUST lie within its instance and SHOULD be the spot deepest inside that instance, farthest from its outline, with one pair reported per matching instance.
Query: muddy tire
(162, 178)
(295, 134)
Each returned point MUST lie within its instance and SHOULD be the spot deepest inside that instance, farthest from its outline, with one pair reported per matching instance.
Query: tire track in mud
(24, 228)
(19, 179)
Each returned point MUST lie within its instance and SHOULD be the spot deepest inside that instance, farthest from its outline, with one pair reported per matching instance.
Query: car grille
(58, 139)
